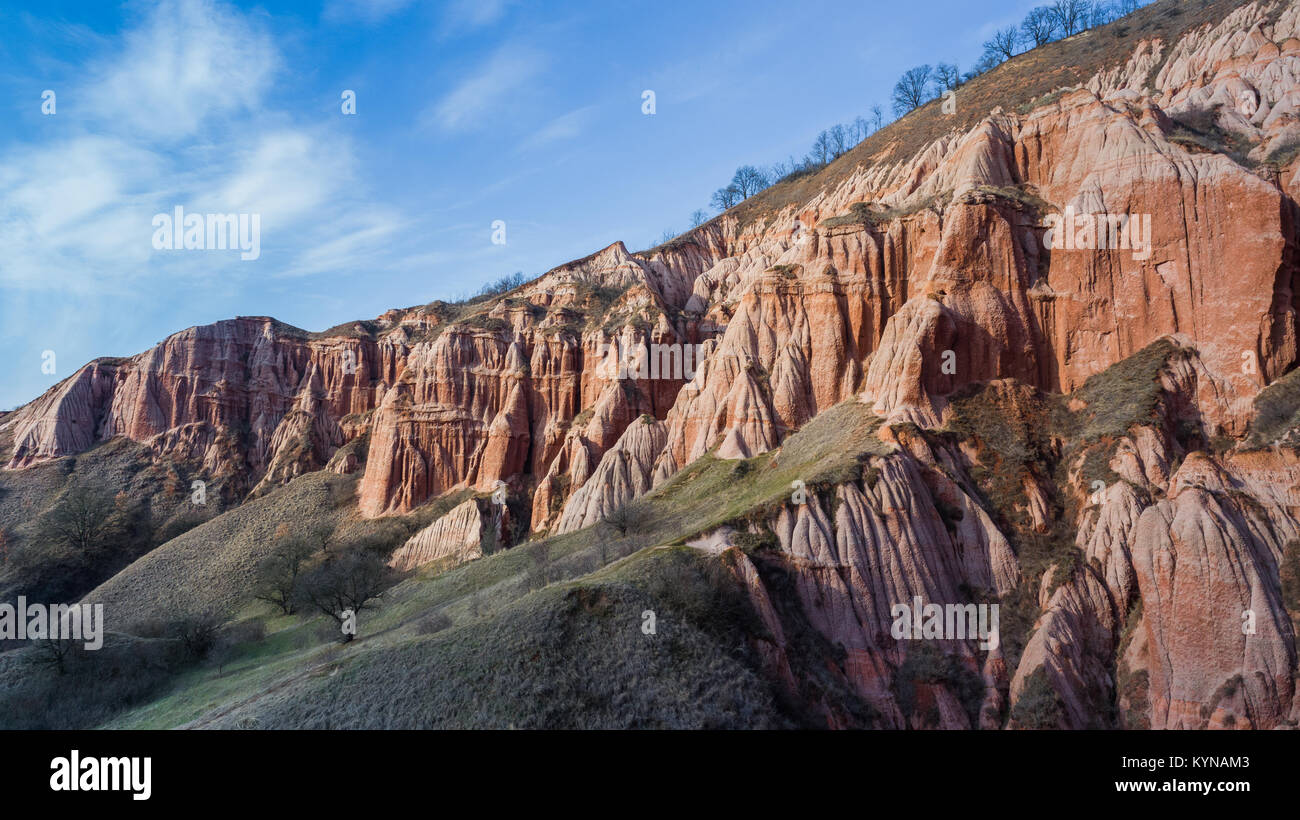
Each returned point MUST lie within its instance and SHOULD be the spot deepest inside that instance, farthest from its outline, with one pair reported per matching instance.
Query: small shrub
(630, 517)
(751, 542)
(927, 664)
(1038, 706)
(434, 624)
(1290, 575)
(197, 634)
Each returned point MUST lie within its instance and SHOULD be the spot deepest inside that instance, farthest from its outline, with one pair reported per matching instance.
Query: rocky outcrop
(1206, 563)
(624, 473)
(457, 537)
(480, 406)
(245, 397)
(902, 280)
(882, 544)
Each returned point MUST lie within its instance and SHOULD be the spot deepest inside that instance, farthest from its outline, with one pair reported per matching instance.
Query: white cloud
(171, 112)
(288, 175)
(76, 214)
(191, 62)
(73, 209)
(471, 103)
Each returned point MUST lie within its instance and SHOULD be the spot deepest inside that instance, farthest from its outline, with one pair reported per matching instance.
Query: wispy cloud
(473, 102)
(463, 15)
(355, 243)
(176, 119)
(564, 127)
(288, 175)
(191, 62)
(74, 208)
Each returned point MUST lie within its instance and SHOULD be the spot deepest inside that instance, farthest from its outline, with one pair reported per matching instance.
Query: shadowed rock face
(900, 285)
(456, 537)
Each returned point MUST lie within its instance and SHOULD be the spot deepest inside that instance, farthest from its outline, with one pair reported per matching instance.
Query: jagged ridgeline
(1035, 352)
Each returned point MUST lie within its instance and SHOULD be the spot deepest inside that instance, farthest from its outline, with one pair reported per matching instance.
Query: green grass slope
(544, 634)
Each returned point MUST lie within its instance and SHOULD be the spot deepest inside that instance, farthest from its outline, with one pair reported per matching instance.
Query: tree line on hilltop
(916, 87)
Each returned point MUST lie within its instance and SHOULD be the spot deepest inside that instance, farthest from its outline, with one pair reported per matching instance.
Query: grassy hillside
(211, 569)
(478, 631)
(569, 655)
(1277, 413)
(149, 502)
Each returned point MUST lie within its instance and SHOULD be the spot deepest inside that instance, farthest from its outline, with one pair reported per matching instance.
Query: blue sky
(466, 113)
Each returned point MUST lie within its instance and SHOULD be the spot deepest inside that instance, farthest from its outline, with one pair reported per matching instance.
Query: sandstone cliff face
(477, 407)
(456, 537)
(622, 475)
(1170, 614)
(903, 283)
(882, 544)
(243, 396)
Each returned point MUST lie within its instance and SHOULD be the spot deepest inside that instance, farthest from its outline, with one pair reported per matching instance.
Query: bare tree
(1002, 45)
(628, 518)
(946, 77)
(197, 634)
(1070, 16)
(504, 285)
(839, 140)
(1100, 13)
(821, 150)
(877, 117)
(859, 130)
(1038, 27)
(698, 217)
(320, 537)
(53, 653)
(724, 198)
(912, 89)
(987, 62)
(749, 181)
(279, 574)
(351, 581)
(84, 520)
